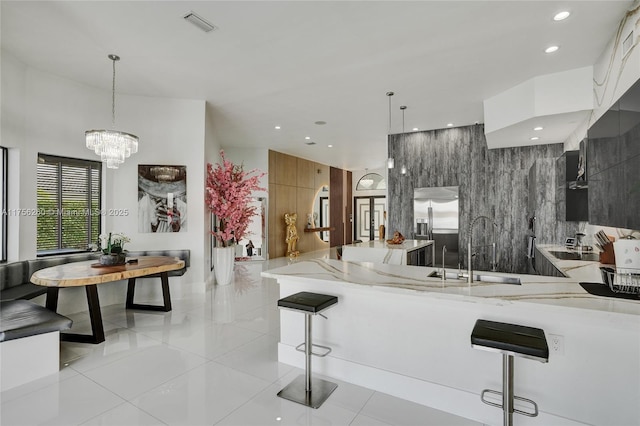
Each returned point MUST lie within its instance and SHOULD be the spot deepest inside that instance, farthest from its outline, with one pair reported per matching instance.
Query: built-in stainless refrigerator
(435, 211)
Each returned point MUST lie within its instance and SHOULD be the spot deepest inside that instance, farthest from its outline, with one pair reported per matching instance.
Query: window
(69, 204)
(371, 181)
(3, 203)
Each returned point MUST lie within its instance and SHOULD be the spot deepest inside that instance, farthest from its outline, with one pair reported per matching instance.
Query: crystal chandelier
(112, 146)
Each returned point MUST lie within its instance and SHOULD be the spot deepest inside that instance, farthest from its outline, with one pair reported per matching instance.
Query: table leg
(52, 298)
(166, 296)
(97, 328)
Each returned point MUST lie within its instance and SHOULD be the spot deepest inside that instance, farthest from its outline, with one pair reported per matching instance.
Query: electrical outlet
(556, 344)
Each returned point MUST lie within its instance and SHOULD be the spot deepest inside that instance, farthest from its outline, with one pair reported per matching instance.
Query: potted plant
(113, 252)
(228, 193)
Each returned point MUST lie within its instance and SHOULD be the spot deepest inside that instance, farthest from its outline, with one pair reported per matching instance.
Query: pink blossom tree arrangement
(228, 193)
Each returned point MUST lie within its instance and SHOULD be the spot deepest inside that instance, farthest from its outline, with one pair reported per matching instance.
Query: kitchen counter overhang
(398, 331)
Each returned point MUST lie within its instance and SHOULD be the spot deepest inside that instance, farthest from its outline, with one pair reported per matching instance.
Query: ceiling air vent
(310, 143)
(627, 44)
(199, 22)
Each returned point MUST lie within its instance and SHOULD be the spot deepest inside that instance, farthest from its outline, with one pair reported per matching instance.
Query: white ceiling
(293, 63)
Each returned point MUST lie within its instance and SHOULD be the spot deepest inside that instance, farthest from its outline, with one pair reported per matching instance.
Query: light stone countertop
(581, 270)
(544, 292)
(408, 245)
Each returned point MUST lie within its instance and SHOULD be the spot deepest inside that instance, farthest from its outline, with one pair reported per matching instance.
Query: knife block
(608, 256)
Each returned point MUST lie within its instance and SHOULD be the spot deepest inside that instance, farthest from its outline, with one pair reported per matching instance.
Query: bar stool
(510, 340)
(300, 389)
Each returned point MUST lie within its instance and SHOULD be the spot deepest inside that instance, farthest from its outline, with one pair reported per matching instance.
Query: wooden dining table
(90, 274)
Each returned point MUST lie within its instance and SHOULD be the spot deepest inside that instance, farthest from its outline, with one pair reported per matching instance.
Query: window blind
(69, 203)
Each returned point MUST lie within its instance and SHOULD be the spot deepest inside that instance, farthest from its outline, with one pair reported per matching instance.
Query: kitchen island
(409, 252)
(398, 331)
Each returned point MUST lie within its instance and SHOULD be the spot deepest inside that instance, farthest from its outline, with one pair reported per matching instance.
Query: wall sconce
(403, 170)
(390, 163)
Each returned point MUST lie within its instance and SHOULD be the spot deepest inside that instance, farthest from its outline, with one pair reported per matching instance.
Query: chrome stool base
(305, 390)
(295, 391)
(510, 340)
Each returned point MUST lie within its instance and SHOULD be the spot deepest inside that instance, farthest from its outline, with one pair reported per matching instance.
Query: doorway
(369, 215)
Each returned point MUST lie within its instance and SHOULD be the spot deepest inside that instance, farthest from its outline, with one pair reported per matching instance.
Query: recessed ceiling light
(277, 127)
(535, 138)
(449, 124)
(537, 128)
(307, 137)
(551, 49)
(561, 16)
(415, 129)
(329, 146)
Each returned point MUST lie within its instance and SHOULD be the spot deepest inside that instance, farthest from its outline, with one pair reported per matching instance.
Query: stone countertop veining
(580, 270)
(535, 289)
(408, 245)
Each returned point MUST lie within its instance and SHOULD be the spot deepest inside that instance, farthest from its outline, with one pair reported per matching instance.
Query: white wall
(211, 155)
(12, 113)
(613, 74)
(45, 113)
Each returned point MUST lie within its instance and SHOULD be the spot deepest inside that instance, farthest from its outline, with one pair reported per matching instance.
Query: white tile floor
(211, 361)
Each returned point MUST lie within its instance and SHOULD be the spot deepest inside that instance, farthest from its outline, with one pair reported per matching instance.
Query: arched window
(371, 181)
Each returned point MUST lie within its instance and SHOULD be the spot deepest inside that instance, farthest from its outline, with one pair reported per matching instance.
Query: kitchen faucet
(469, 247)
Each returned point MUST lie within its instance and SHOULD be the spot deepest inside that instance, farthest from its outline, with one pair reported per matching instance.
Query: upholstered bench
(29, 342)
(14, 282)
(15, 277)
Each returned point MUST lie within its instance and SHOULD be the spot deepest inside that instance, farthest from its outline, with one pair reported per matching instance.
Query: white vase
(223, 261)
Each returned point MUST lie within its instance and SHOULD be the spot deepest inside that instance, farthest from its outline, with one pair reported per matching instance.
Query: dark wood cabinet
(545, 267)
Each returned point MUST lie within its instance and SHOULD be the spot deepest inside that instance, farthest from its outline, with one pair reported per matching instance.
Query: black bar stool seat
(510, 340)
(308, 302)
(300, 390)
(519, 340)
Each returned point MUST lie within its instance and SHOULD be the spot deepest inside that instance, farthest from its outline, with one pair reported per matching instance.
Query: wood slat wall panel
(336, 210)
(305, 176)
(272, 232)
(348, 205)
(494, 183)
(272, 166)
(321, 178)
(286, 169)
(286, 200)
(286, 196)
(304, 205)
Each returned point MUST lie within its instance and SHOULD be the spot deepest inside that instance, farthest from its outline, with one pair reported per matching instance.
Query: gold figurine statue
(292, 234)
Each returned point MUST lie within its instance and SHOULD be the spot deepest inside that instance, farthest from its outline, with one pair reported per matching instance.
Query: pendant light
(403, 170)
(112, 146)
(390, 162)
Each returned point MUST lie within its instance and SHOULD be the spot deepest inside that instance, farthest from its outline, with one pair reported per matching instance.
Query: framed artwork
(162, 198)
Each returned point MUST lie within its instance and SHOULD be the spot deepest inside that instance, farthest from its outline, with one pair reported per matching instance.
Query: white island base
(415, 344)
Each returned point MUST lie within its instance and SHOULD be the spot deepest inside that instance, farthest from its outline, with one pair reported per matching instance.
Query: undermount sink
(483, 277)
(565, 255)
